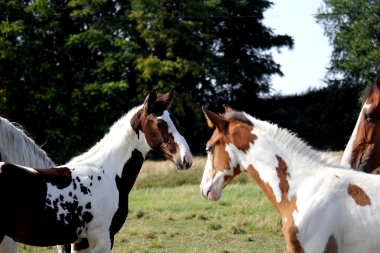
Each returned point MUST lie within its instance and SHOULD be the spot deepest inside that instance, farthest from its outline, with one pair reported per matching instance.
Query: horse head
(160, 129)
(363, 149)
(232, 134)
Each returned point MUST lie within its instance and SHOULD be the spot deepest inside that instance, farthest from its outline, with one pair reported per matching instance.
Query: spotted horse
(325, 207)
(85, 202)
(18, 148)
(363, 149)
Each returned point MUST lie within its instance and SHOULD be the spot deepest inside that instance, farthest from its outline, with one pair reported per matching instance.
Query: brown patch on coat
(220, 159)
(331, 245)
(359, 195)
(284, 207)
(282, 173)
(82, 245)
(59, 177)
(241, 135)
(228, 178)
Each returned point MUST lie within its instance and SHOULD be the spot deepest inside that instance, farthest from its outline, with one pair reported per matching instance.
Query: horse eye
(160, 125)
(370, 116)
(209, 149)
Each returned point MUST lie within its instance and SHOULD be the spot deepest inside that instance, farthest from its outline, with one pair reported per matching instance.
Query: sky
(305, 65)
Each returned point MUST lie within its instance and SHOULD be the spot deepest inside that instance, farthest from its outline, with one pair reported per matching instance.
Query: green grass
(168, 214)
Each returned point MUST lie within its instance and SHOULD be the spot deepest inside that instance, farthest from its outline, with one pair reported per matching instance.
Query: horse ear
(214, 119)
(227, 108)
(150, 100)
(167, 98)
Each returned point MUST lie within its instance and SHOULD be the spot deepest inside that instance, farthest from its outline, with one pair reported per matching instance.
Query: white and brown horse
(325, 207)
(18, 148)
(85, 202)
(363, 149)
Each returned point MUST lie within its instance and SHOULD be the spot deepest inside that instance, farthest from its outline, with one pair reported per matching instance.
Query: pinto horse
(85, 202)
(16, 147)
(363, 149)
(325, 207)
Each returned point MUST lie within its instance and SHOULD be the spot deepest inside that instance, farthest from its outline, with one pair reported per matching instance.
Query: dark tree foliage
(69, 69)
(352, 27)
(324, 117)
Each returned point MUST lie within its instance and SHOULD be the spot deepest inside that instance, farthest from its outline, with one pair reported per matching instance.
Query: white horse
(85, 202)
(16, 147)
(324, 207)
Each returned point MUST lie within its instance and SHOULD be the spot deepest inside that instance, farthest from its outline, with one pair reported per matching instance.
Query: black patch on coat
(124, 184)
(87, 216)
(74, 185)
(59, 177)
(84, 189)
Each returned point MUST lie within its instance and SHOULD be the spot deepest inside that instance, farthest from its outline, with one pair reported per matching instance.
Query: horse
(325, 207)
(18, 148)
(85, 202)
(363, 148)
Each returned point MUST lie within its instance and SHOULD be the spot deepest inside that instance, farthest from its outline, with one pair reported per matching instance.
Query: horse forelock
(374, 87)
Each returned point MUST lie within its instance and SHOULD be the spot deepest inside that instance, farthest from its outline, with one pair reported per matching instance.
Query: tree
(353, 29)
(70, 68)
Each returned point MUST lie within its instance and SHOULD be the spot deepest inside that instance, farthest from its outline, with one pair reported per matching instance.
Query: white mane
(17, 147)
(111, 138)
(293, 143)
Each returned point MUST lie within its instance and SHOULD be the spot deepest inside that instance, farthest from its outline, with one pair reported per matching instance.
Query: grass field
(168, 214)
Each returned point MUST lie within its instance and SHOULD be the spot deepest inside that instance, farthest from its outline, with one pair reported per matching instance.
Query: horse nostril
(179, 166)
(187, 164)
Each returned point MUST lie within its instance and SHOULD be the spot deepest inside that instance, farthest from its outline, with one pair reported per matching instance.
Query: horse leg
(85, 250)
(8, 245)
(63, 248)
(80, 247)
(100, 243)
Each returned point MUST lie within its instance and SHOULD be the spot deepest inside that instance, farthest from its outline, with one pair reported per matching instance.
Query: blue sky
(305, 65)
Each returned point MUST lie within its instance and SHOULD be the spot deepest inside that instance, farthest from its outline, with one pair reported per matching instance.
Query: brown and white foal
(324, 207)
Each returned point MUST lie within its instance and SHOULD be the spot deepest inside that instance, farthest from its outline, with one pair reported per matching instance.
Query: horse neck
(16, 147)
(284, 163)
(115, 149)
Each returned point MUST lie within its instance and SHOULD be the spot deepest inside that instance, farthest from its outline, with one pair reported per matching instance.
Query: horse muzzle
(211, 195)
